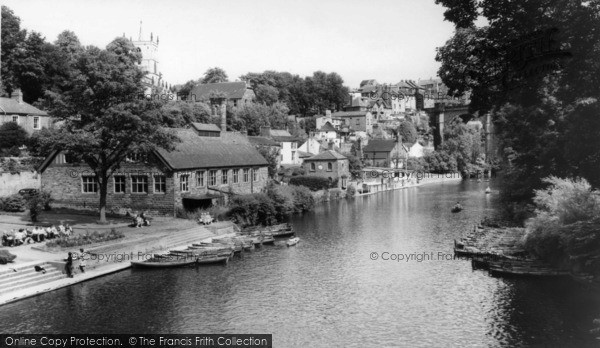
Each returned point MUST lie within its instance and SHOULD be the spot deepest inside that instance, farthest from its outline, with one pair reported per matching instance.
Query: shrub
(335, 193)
(35, 204)
(351, 191)
(13, 203)
(303, 198)
(283, 200)
(83, 239)
(314, 183)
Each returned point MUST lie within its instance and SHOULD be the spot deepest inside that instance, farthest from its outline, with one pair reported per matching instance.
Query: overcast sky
(386, 40)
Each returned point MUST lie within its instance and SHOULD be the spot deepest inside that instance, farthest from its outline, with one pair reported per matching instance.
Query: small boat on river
(488, 190)
(292, 241)
(165, 261)
(210, 259)
(457, 209)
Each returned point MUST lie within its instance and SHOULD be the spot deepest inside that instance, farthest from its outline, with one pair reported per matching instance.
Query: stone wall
(12, 183)
(64, 182)
(340, 168)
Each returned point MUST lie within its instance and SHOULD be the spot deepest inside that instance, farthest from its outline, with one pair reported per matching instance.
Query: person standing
(82, 260)
(69, 265)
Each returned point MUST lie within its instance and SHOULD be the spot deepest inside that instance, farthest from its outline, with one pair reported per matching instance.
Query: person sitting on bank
(145, 220)
(51, 232)
(68, 230)
(19, 237)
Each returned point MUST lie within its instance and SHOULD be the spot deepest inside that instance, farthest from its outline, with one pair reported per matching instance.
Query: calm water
(327, 292)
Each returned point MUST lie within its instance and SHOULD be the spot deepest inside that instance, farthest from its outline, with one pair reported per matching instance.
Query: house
(200, 171)
(360, 121)
(14, 109)
(328, 164)
(385, 153)
(311, 145)
(326, 132)
(289, 144)
(223, 93)
(415, 150)
(206, 129)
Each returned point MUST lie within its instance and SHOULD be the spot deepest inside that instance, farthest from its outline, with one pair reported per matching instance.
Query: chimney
(17, 95)
(265, 131)
(223, 117)
(328, 113)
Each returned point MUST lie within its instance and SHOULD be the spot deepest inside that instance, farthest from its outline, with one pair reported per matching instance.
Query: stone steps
(26, 277)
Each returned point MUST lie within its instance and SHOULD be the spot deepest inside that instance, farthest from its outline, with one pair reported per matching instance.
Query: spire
(140, 36)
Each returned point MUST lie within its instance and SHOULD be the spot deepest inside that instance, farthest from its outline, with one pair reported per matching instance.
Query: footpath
(20, 279)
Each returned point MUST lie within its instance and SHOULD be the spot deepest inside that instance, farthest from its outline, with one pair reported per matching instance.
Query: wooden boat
(456, 209)
(164, 262)
(292, 241)
(488, 190)
(531, 268)
(210, 259)
(268, 239)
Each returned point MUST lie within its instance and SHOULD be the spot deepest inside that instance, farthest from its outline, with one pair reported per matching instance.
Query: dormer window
(136, 157)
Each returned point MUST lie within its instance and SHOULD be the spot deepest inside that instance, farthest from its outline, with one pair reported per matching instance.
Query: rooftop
(380, 145)
(230, 90)
(264, 141)
(11, 106)
(208, 127)
(326, 155)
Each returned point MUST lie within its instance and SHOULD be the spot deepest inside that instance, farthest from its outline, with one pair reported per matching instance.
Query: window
(294, 146)
(358, 121)
(200, 178)
(36, 122)
(312, 167)
(88, 184)
(246, 171)
(212, 178)
(224, 174)
(293, 155)
(139, 184)
(160, 184)
(254, 174)
(136, 157)
(236, 173)
(184, 183)
(15, 119)
(329, 166)
(119, 184)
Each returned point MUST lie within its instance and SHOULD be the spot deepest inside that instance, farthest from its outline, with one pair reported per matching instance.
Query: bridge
(445, 114)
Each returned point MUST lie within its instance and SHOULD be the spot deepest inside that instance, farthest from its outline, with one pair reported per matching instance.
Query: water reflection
(328, 292)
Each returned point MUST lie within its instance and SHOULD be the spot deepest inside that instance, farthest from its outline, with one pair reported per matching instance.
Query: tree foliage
(252, 116)
(408, 132)
(12, 135)
(214, 75)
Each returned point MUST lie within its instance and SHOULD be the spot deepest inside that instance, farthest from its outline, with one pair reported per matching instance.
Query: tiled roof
(379, 145)
(210, 127)
(327, 127)
(348, 113)
(262, 141)
(11, 106)
(289, 139)
(231, 90)
(228, 150)
(303, 154)
(326, 155)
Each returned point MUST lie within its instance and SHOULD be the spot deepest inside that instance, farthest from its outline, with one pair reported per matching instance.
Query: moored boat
(164, 262)
(292, 241)
(526, 268)
(210, 259)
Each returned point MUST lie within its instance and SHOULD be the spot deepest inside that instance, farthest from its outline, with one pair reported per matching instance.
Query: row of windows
(36, 121)
(139, 184)
(210, 178)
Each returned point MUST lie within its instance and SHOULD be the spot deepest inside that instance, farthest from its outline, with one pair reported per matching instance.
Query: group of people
(35, 235)
(141, 220)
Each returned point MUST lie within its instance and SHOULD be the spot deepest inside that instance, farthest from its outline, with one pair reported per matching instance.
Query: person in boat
(457, 206)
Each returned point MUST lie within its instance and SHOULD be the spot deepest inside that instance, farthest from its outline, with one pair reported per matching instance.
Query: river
(329, 292)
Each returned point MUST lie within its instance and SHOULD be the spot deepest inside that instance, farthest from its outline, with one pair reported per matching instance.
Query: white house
(289, 145)
(416, 150)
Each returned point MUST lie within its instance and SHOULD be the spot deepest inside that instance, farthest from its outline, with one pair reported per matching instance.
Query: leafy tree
(271, 154)
(355, 166)
(214, 75)
(408, 132)
(105, 120)
(266, 94)
(177, 114)
(183, 91)
(252, 116)
(12, 135)
(13, 38)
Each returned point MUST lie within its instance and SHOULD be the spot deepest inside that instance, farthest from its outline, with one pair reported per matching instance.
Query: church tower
(150, 63)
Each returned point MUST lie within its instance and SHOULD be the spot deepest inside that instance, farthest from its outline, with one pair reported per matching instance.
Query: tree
(535, 69)
(252, 116)
(408, 132)
(355, 166)
(214, 75)
(266, 94)
(12, 135)
(105, 120)
(271, 154)
(177, 114)
(13, 38)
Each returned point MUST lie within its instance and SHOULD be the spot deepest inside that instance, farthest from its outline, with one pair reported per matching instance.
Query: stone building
(328, 164)
(386, 153)
(231, 93)
(14, 109)
(200, 171)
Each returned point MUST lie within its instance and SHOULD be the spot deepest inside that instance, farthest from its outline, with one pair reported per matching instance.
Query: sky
(386, 40)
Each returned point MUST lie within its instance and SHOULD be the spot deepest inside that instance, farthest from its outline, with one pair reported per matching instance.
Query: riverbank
(20, 280)
(381, 184)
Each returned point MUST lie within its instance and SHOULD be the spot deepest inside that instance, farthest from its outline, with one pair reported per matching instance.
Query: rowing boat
(164, 262)
(292, 241)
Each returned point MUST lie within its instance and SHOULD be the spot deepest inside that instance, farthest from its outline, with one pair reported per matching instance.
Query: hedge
(314, 183)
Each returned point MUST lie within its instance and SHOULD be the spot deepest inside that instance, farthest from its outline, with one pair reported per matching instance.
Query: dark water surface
(328, 292)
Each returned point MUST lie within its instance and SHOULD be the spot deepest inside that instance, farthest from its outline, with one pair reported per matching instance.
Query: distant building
(329, 164)
(360, 121)
(289, 145)
(232, 93)
(200, 171)
(154, 81)
(385, 153)
(29, 117)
